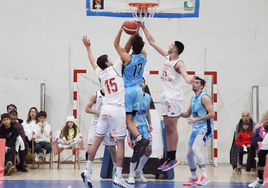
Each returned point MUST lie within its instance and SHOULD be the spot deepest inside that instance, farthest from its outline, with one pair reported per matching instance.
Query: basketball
(130, 27)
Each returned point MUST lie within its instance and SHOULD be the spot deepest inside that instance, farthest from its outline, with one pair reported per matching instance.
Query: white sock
(194, 175)
(119, 172)
(89, 164)
(143, 161)
(203, 171)
(132, 167)
(115, 165)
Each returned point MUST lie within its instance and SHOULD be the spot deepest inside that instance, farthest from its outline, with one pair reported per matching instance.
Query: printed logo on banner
(98, 4)
(188, 5)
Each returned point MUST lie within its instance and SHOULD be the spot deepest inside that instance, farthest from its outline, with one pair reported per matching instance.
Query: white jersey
(98, 105)
(113, 84)
(171, 80)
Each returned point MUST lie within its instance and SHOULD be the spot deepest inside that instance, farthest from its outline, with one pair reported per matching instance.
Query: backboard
(165, 8)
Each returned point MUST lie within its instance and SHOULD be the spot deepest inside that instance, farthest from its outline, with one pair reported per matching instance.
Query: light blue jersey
(203, 129)
(140, 117)
(133, 72)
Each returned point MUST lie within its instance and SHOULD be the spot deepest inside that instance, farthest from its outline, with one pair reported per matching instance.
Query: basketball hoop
(143, 11)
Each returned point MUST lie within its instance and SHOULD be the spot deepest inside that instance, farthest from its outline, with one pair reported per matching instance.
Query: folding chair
(75, 155)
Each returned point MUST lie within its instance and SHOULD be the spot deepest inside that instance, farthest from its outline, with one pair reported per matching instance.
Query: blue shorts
(144, 131)
(202, 133)
(133, 96)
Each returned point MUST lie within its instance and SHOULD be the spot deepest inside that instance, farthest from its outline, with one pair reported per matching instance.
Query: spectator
(244, 116)
(70, 136)
(10, 133)
(42, 139)
(234, 148)
(11, 107)
(30, 123)
(259, 182)
(260, 134)
(243, 140)
(22, 153)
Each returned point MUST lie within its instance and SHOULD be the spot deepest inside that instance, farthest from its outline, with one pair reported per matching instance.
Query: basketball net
(143, 12)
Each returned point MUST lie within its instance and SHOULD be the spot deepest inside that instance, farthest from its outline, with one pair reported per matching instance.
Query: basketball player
(142, 117)
(202, 111)
(112, 116)
(172, 95)
(96, 101)
(259, 182)
(133, 74)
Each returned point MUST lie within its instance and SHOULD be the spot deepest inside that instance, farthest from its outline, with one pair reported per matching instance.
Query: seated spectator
(234, 148)
(30, 123)
(22, 152)
(42, 139)
(10, 133)
(13, 107)
(70, 136)
(244, 116)
(243, 140)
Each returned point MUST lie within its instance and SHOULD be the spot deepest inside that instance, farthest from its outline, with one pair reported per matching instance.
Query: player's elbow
(213, 114)
(116, 44)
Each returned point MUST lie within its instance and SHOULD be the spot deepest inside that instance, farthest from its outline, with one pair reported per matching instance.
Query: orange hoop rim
(140, 5)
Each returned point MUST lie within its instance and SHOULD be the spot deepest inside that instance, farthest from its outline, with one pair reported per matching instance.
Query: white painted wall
(35, 38)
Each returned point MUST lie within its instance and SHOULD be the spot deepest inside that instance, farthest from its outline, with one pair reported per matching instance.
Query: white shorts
(108, 140)
(112, 118)
(169, 107)
(264, 144)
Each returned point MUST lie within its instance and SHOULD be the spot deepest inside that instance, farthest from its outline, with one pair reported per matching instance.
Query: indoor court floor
(66, 177)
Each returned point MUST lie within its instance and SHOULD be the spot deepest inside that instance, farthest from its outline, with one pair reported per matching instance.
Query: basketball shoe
(139, 175)
(191, 181)
(203, 181)
(131, 179)
(170, 165)
(120, 182)
(163, 165)
(114, 173)
(257, 183)
(86, 178)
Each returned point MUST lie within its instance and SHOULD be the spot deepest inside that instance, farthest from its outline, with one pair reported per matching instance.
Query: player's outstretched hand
(86, 41)
(193, 80)
(140, 24)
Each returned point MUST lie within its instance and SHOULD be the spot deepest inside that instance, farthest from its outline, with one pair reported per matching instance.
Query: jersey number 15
(111, 85)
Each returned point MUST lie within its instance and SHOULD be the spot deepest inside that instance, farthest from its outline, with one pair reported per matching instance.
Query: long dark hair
(246, 122)
(29, 116)
(65, 130)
